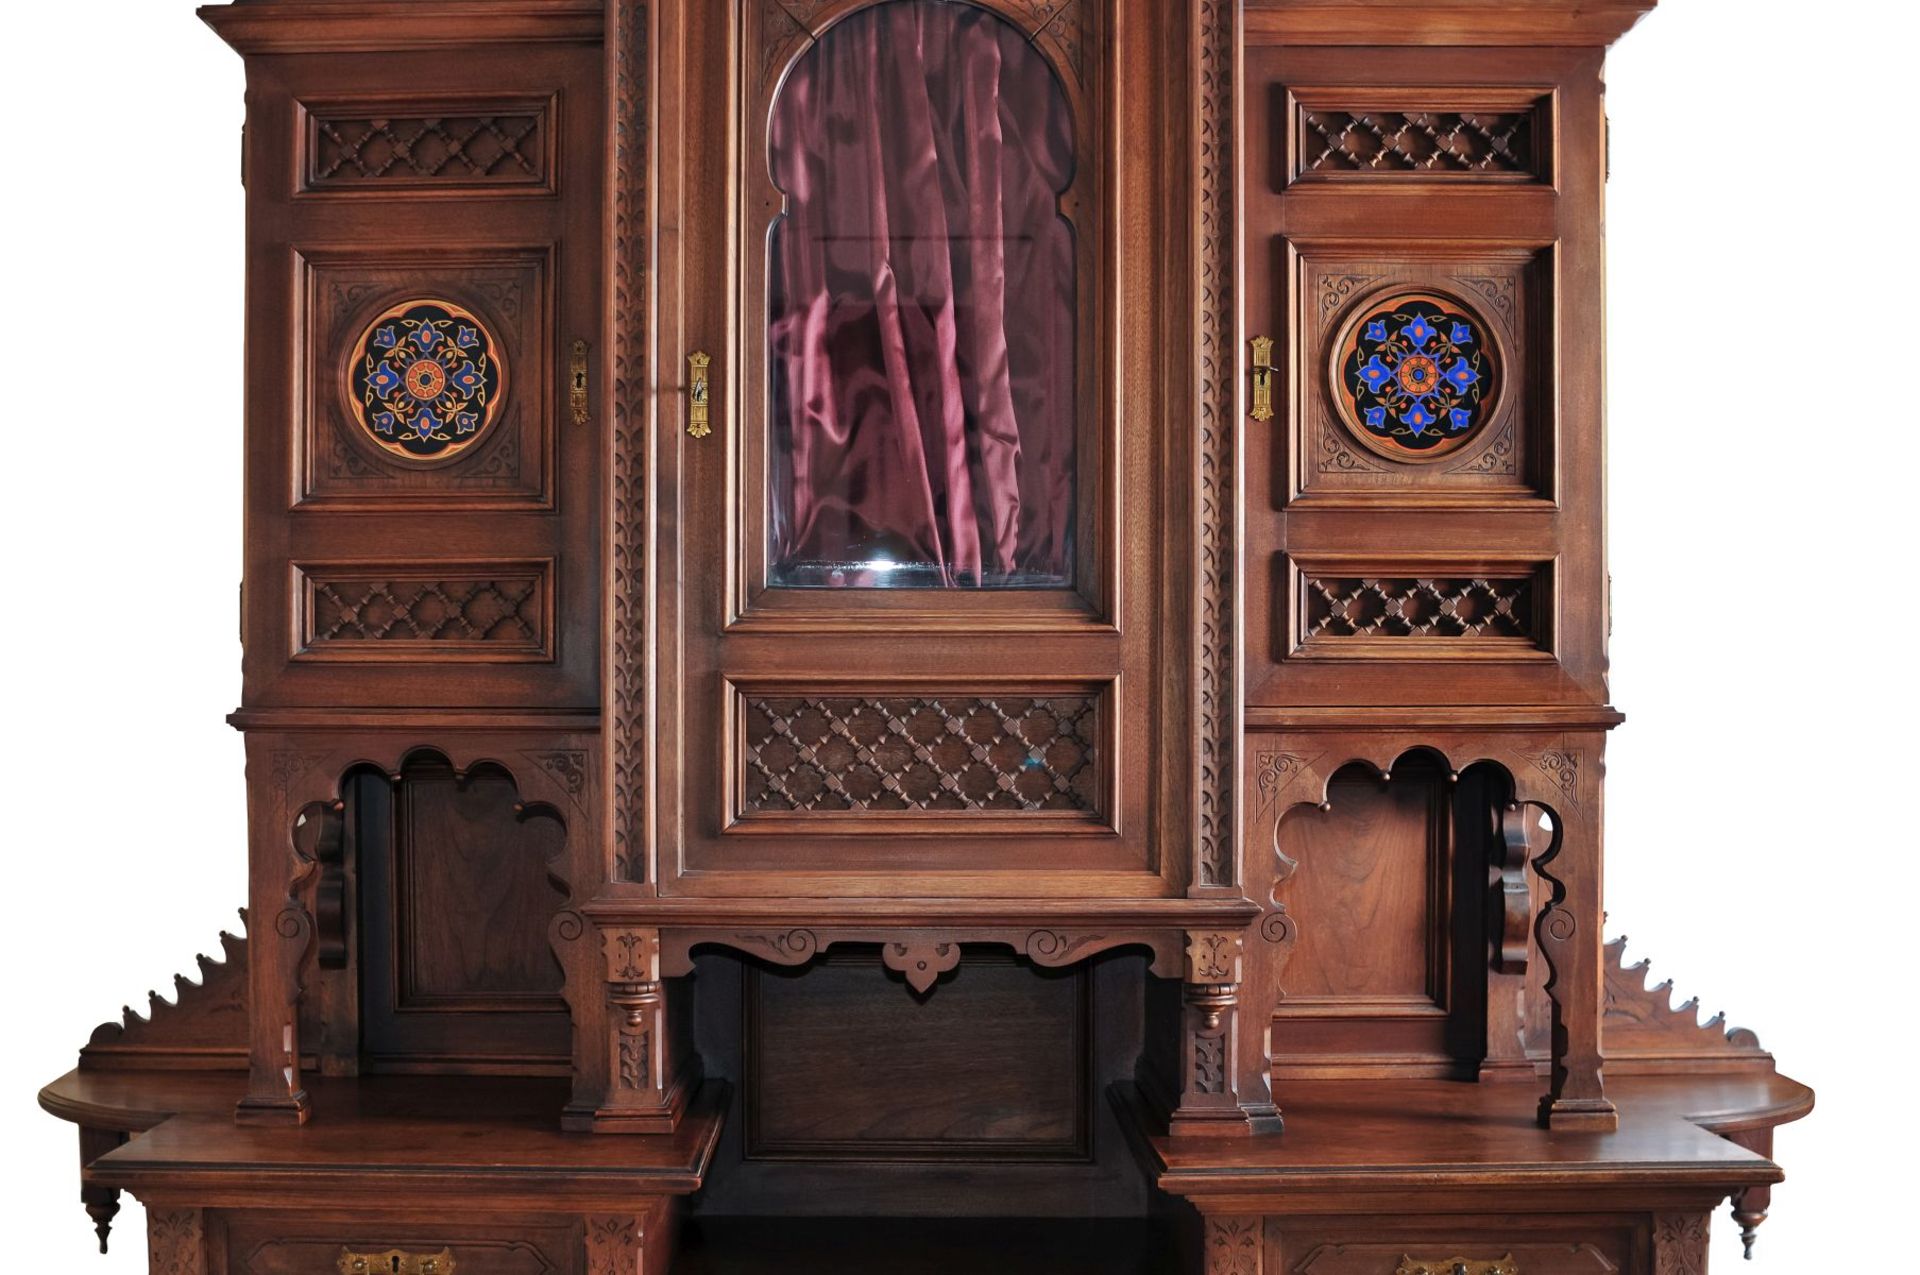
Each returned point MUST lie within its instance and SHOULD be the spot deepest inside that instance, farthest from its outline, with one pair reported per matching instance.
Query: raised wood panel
(457, 966)
(993, 1065)
(1371, 892)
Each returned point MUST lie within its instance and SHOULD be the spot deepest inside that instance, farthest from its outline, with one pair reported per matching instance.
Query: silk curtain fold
(921, 297)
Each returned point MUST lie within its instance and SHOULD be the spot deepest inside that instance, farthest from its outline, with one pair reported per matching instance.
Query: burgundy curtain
(921, 297)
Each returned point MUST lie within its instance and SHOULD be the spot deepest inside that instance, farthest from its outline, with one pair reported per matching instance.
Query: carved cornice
(340, 26)
(1590, 23)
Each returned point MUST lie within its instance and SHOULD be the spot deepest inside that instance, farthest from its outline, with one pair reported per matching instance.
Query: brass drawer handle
(1458, 1266)
(697, 364)
(1262, 378)
(396, 1262)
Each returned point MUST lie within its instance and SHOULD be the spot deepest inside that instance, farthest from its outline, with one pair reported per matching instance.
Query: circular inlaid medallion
(426, 380)
(1415, 375)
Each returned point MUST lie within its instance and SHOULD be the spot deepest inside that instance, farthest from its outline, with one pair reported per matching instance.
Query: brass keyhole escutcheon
(577, 388)
(698, 424)
(395, 1262)
(1262, 368)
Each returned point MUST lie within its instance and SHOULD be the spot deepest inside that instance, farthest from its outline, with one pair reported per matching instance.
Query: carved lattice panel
(1491, 135)
(1428, 607)
(432, 145)
(1416, 142)
(490, 611)
(850, 753)
(1418, 607)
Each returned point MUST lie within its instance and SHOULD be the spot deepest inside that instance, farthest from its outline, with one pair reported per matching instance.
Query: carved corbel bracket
(921, 960)
(1516, 837)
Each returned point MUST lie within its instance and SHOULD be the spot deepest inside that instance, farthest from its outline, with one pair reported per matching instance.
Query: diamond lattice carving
(506, 611)
(1430, 607)
(504, 148)
(848, 753)
(1416, 141)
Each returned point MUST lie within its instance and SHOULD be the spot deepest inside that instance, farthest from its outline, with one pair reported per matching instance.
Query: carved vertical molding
(627, 477)
(1679, 1244)
(176, 1242)
(1233, 1246)
(1209, 1035)
(1216, 395)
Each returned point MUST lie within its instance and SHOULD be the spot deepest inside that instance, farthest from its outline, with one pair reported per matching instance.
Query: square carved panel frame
(1509, 460)
(342, 290)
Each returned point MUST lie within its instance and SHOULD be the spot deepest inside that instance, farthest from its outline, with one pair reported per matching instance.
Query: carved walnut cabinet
(921, 635)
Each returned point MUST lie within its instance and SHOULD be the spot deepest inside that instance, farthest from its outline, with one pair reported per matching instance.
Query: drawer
(1504, 1246)
(305, 1244)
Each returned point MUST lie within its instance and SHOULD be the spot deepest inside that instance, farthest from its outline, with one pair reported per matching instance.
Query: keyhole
(393, 1264)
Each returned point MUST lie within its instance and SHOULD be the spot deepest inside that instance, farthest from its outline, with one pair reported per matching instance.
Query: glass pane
(921, 308)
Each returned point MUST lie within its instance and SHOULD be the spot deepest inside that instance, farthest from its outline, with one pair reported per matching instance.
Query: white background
(1765, 416)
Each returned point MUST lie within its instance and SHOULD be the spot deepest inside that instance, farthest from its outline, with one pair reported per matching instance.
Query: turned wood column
(642, 1080)
(101, 1202)
(1209, 1036)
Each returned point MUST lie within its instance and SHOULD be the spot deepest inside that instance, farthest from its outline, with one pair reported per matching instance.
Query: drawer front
(1517, 1246)
(307, 1245)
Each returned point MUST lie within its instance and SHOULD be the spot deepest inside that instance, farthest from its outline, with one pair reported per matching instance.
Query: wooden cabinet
(860, 613)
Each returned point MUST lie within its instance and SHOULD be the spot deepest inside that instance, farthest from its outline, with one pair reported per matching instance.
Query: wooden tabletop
(376, 1134)
(1419, 1134)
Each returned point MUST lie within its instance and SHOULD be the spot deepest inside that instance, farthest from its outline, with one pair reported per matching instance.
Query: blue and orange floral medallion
(426, 380)
(1416, 375)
